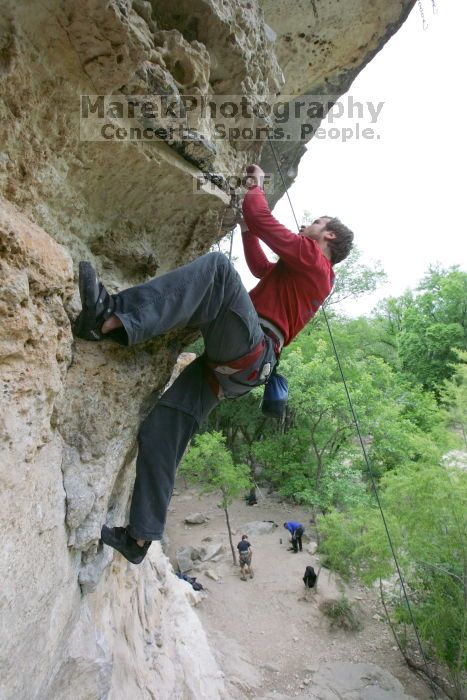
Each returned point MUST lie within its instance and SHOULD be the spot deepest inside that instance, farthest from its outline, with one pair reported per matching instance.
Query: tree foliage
(425, 509)
(399, 424)
(429, 325)
(454, 397)
(210, 464)
(355, 279)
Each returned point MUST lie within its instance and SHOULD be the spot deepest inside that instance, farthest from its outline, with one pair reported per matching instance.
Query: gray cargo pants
(206, 294)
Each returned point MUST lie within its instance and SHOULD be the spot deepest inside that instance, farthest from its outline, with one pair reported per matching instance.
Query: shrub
(342, 614)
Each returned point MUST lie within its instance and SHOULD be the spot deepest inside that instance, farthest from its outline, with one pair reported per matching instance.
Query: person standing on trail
(296, 530)
(251, 498)
(243, 335)
(246, 556)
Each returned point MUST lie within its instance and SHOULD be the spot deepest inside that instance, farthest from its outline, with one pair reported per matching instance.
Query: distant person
(296, 530)
(246, 555)
(251, 498)
(309, 579)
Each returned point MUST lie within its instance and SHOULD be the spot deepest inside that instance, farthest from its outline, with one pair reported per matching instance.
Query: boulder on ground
(185, 557)
(196, 518)
(259, 527)
(212, 551)
(347, 680)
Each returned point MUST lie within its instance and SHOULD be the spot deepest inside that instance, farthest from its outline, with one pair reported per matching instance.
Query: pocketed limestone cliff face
(77, 621)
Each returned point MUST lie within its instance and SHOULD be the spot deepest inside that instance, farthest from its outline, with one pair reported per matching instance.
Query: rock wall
(76, 621)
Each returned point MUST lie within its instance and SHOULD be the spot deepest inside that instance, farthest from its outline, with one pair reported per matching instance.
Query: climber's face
(317, 230)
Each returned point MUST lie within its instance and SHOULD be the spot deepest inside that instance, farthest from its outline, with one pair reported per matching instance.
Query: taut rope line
(367, 461)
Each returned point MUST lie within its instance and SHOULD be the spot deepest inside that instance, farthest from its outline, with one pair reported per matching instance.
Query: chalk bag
(275, 397)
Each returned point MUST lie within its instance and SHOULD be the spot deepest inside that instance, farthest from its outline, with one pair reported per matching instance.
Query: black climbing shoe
(119, 539)
(97, 304)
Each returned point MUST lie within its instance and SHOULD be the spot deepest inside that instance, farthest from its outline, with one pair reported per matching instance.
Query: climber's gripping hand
(254, 176)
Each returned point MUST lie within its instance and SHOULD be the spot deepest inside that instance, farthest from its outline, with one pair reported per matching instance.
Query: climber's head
(332, 236)
(341, 243)
(316, 230)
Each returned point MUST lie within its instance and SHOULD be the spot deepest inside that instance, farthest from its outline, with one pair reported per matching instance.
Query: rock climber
(296, 530)
(243, 335)
(246, 557)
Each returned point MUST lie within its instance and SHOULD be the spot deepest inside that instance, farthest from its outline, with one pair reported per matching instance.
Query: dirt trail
(268, 633)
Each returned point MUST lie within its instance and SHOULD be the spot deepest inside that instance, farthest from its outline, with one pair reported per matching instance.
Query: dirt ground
(268, 632)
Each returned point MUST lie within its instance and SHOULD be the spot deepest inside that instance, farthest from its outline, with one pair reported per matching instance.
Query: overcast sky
(404, 194)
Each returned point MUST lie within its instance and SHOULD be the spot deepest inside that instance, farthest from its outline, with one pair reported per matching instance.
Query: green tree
(242, 424)
(320, 426)
(361, 338)
(210, 463)
(454, 396)
(318, 459)
(355, 279)
(429, 325)
(425, 509)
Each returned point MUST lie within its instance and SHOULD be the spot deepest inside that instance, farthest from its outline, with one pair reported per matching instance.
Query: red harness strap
(274, 338)
(243, 362)
(233, 366)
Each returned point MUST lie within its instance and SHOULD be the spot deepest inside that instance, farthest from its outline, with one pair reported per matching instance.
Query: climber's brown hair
(341, 245)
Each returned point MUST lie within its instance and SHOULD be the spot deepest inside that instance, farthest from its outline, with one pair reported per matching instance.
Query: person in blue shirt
(296, 530)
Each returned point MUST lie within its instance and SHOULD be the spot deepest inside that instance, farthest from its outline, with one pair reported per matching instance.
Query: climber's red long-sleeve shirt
(290, 291)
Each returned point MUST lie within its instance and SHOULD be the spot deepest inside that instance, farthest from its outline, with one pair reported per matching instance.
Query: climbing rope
(367, 460)
(231, 243)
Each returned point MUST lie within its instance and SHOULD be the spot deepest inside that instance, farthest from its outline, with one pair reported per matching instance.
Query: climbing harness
(362, 444)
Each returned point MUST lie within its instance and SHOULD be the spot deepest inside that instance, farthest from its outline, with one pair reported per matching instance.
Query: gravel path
(268, 633)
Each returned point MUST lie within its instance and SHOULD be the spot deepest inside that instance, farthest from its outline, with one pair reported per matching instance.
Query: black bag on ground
(275, 397)
(191, 580)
